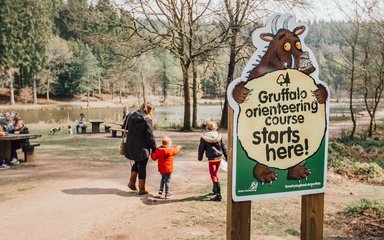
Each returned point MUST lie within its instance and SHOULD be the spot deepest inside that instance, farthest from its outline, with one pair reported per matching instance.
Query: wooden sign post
(238, 213)
(278, 126)
(312, 217)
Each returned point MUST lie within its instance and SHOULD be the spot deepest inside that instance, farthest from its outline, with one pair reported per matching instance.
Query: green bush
(358, 207)
(368, 170)
(362, 159)
(26, 95)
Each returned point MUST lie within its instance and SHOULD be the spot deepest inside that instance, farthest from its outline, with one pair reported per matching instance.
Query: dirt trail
(83, 202)
(362, 120)
(62, 198)
(91, 201)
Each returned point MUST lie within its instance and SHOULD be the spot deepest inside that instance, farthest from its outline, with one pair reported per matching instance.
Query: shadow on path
(147, 199)
(156, 200)
(98, 191)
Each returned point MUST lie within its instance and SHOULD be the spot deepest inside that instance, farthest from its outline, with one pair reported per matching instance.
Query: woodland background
(187, 48)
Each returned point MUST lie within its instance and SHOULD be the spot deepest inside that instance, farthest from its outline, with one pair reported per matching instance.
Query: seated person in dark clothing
(81, 123)
(20, 128)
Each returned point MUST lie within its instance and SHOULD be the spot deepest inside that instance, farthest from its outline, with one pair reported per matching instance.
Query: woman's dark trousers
(141, 168)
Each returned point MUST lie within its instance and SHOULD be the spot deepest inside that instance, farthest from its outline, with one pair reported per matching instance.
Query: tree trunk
(370, 128)
(100, 87)
(187, 100)
(34, 91)
(48, 89)
(113, 90)
(165, 81)
(352, 80)
(87, 99)
(121, 86)
(12, 90)
(194, 94)
(351, 109)
(143, 86)
(231, 71)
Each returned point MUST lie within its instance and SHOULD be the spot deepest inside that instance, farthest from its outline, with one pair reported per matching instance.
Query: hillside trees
(372, 63)
(184, 48)
(25, 29)
(360, 56)
(58, 55)
(39, 31)
(172, 25)
(89, 71)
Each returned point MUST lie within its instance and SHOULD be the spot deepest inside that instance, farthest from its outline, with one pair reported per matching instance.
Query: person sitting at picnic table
(5, 121)
(19, 128)
(81, 123)
(12, 121)
(3, 164)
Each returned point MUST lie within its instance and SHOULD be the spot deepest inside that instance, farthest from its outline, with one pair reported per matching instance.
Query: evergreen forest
(187, 48)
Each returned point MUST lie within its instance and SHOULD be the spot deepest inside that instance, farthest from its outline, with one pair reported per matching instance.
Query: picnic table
(108, 127)
(115, 130)
(96, 125)
(5, 144)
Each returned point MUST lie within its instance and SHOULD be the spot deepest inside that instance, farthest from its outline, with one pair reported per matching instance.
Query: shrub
(356, 161)
(359, 207)
(368, 170)
(26, 95)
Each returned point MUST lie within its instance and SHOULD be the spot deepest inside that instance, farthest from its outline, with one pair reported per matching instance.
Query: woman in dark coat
(139, 144)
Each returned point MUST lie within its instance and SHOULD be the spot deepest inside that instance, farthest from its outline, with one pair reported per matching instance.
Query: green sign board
(281, 112)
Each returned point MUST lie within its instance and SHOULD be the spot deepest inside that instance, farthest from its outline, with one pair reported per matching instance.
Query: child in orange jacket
(165, 156)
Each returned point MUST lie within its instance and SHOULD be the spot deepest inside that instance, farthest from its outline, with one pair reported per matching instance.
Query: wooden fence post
(238, 213)
(312, 216)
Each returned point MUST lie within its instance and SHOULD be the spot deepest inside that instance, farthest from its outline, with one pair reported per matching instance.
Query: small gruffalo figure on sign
(284, 52)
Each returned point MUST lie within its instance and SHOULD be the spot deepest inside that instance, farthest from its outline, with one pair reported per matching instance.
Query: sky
(329, 10)
(320, 10)
(326, 10)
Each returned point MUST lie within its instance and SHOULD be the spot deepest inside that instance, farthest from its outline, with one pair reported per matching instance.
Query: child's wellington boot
(217, 190)
(132, 181)
(142, 189)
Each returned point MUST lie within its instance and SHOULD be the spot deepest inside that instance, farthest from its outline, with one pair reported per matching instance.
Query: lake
(163, 115)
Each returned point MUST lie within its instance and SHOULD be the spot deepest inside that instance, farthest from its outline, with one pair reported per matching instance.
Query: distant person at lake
(140, 141)
(125, 113)
(215, 149)
(81, 123)
(165, 156)
(20, 128)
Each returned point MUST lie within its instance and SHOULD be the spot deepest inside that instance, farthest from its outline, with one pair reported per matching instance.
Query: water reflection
(162, 114)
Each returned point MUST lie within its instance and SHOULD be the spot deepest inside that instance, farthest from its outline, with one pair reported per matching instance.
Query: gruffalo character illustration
(283, 52)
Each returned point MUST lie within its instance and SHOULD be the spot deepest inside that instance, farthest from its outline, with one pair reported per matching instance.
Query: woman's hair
(211, 126)
(82, 114)
(20, 122)
(166, 141)
(147, 108)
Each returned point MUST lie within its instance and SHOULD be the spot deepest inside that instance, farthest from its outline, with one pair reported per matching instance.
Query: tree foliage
(189, 49)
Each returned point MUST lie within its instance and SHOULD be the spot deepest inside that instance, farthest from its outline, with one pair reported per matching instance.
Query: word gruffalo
(284, 52)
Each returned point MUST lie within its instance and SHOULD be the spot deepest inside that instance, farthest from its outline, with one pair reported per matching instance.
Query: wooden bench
(29, 154)
(107, 128)
(84, 129)
(115, 130)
